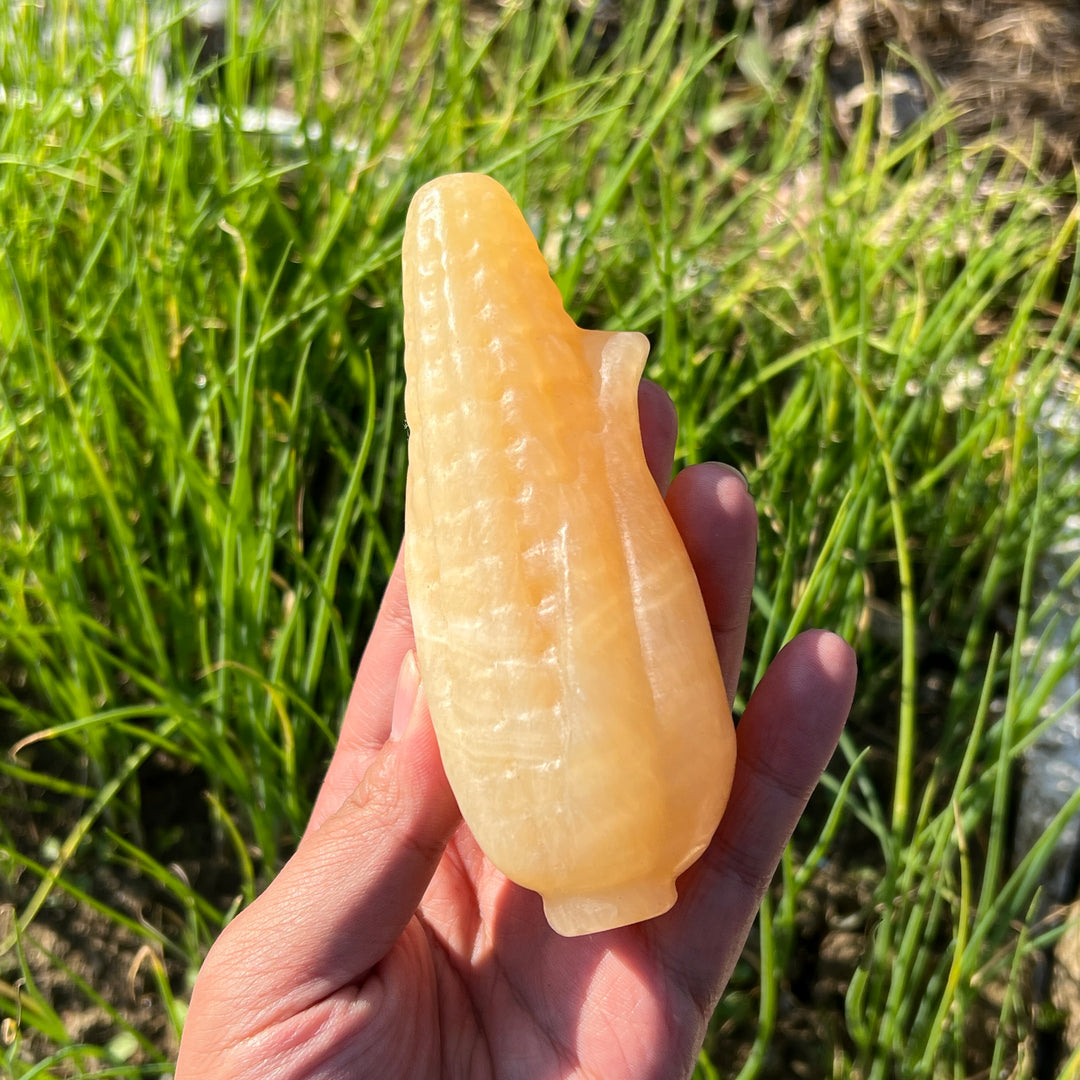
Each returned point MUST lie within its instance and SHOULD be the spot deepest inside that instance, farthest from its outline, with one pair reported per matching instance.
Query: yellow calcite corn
(561, 636)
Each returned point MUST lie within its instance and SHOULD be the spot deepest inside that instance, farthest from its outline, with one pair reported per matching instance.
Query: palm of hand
(515, 999)
(390, 947)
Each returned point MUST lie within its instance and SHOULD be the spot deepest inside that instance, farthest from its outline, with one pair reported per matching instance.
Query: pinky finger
(786, 737)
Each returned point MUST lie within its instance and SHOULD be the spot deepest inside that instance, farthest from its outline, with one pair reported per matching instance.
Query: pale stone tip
(573, 916)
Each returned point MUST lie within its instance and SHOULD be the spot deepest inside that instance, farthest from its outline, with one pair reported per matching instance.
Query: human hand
(388, 946)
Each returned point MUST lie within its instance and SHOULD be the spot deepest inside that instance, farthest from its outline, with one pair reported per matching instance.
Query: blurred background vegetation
(849, 231)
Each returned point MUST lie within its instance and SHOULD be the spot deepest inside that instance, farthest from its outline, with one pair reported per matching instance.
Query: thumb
(343, 900)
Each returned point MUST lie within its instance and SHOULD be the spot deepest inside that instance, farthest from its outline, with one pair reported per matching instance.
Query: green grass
(202, 457)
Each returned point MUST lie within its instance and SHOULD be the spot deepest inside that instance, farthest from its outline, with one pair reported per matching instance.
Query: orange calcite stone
(560, 631)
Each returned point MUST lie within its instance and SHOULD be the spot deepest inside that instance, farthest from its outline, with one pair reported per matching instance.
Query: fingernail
(408, 685)
(725, 467)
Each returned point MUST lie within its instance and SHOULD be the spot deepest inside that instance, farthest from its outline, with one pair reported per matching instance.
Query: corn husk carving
(560, 631)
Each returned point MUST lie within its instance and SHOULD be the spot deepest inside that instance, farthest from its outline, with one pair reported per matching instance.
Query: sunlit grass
(202, 458)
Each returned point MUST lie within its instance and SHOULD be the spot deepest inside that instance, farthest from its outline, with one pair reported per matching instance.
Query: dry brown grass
(1009, 68)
